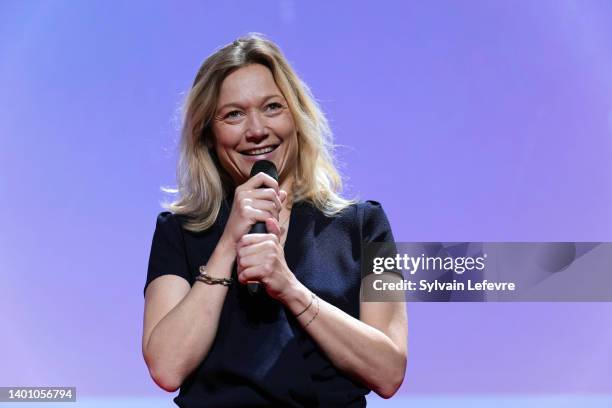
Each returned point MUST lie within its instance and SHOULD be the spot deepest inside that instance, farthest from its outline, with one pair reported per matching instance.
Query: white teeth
(259, 151)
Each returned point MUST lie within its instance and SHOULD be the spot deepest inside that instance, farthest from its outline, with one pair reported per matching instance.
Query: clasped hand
(259, 257)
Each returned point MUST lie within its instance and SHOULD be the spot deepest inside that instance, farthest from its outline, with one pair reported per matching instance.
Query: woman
(307, 341)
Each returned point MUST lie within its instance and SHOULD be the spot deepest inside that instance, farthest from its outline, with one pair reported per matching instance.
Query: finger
(252, 274)
(283, 195)
(260, 179)
(247, 261)
(264, 247)
(266, 194)
(273, 227)
(256, 215)
(265, 205)
(248, 197)
(247, 240)
(250, 239)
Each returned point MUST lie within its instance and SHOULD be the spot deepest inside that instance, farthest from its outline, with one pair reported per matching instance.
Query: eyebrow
(265, 98)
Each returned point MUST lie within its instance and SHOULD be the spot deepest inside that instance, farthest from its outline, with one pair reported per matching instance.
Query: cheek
(226, 137)
(285, 128)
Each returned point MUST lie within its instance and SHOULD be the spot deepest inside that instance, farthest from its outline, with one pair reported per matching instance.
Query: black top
(261, 356)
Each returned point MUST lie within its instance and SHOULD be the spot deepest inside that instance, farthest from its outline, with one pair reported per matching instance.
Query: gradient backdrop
(469, 121)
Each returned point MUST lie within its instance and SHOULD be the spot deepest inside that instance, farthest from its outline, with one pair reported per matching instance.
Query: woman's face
(253, 122)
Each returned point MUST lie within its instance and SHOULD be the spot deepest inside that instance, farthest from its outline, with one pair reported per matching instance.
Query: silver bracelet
(204, 277)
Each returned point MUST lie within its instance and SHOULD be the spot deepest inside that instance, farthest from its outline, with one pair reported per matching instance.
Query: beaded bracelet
(204, 277)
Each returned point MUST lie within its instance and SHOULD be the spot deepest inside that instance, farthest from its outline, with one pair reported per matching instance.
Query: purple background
(469, 121)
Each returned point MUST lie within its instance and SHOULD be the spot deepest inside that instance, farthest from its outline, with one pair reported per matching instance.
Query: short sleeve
(375, 227)
(378, 242)
(168, 256)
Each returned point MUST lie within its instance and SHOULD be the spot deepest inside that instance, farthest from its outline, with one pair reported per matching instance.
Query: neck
(287, 185)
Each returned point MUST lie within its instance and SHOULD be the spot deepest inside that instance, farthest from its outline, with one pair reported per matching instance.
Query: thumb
(273, 227)
(283, 195)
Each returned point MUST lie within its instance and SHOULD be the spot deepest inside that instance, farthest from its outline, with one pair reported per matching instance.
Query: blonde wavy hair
(201, 181)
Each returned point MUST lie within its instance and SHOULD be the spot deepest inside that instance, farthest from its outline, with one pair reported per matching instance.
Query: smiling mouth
(259, 150)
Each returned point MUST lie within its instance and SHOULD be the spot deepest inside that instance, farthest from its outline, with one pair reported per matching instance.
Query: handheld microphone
(269, 168)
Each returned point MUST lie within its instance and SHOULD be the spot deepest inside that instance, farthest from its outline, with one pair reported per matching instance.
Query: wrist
(222, 259)
(297, 297)
(225, 249)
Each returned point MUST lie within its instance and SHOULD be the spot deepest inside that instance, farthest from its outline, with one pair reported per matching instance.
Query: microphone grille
(264, 166)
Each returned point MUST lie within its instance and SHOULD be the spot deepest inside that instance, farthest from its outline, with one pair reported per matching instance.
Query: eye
(273, 107)
(235, 114)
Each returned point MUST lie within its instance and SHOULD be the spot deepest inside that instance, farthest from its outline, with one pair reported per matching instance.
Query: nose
(256, 128)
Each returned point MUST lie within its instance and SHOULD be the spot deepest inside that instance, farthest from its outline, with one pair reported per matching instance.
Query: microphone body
(269, 168)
